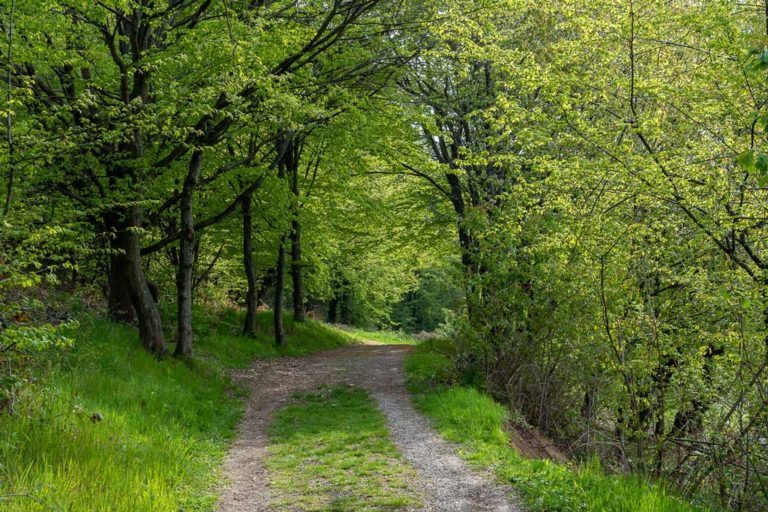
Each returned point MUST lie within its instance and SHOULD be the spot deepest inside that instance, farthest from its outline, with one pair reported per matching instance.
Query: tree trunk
(252, 294)
(125, 223)
(469, 249)
(119, 303)
(186, 259)
(333, 310)
(285, 152)
(299, 311)
(279, 285)
(127, 280)
(346, 307)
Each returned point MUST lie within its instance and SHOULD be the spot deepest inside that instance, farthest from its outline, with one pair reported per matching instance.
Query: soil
(445, 481)
(533, 445)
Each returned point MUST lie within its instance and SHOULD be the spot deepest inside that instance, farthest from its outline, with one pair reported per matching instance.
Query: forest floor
(433, 476)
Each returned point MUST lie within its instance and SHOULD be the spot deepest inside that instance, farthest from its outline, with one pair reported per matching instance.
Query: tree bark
(119, 302)
(333, 310)
(299, 311)
(252, 294)
(279, 285)
(345, 307)
(285, 153)
(150, 323)
(186, 259)
(129, 290)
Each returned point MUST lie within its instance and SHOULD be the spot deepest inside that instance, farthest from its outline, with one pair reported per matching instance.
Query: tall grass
(105, 426)
(467, 416)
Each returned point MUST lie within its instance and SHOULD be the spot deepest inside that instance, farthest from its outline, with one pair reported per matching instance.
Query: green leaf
(746, 160)
(761, 162)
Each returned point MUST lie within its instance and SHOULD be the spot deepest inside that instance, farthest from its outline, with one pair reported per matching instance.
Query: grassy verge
(468, 417)
(216, 328)
(331, 451)
(104, 426)
(383, 337)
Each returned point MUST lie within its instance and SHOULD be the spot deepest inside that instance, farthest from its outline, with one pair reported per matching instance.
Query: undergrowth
(467, 416)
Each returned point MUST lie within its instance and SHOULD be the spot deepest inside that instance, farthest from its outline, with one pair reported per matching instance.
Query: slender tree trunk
(467, 244)
(299, 311)
(345, 308)
(252, 294)
(9, 117)
(186, 259)
(279, 286)
(333, 310)
(285, 151)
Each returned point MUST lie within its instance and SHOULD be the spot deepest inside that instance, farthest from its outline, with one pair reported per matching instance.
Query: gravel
(445, 481)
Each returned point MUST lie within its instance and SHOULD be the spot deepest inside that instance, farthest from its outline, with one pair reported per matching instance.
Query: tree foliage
(583, 185)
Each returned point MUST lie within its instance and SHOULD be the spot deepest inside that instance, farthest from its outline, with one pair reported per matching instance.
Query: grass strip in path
(331, 451)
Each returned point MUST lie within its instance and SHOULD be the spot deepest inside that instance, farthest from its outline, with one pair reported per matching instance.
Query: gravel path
(445, 480)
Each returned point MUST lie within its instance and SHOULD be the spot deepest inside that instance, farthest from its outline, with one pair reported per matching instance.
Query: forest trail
(444, 479)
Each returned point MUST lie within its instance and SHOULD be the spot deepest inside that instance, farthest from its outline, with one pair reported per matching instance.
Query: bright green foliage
(424, 308)
(604, 162)
(575, 192)
(26, 326)
(331, 451)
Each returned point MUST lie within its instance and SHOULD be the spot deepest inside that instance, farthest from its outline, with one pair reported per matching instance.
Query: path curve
(445, 480)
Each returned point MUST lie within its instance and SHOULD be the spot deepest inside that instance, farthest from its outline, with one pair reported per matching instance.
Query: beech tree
(591, 176)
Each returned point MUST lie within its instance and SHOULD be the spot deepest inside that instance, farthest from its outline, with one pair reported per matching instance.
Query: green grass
(331, 451)
(383, 337)
(165, 426)
(215, 329)
(475, 421)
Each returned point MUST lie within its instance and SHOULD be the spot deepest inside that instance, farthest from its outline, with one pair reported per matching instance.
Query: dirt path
(445, 480)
